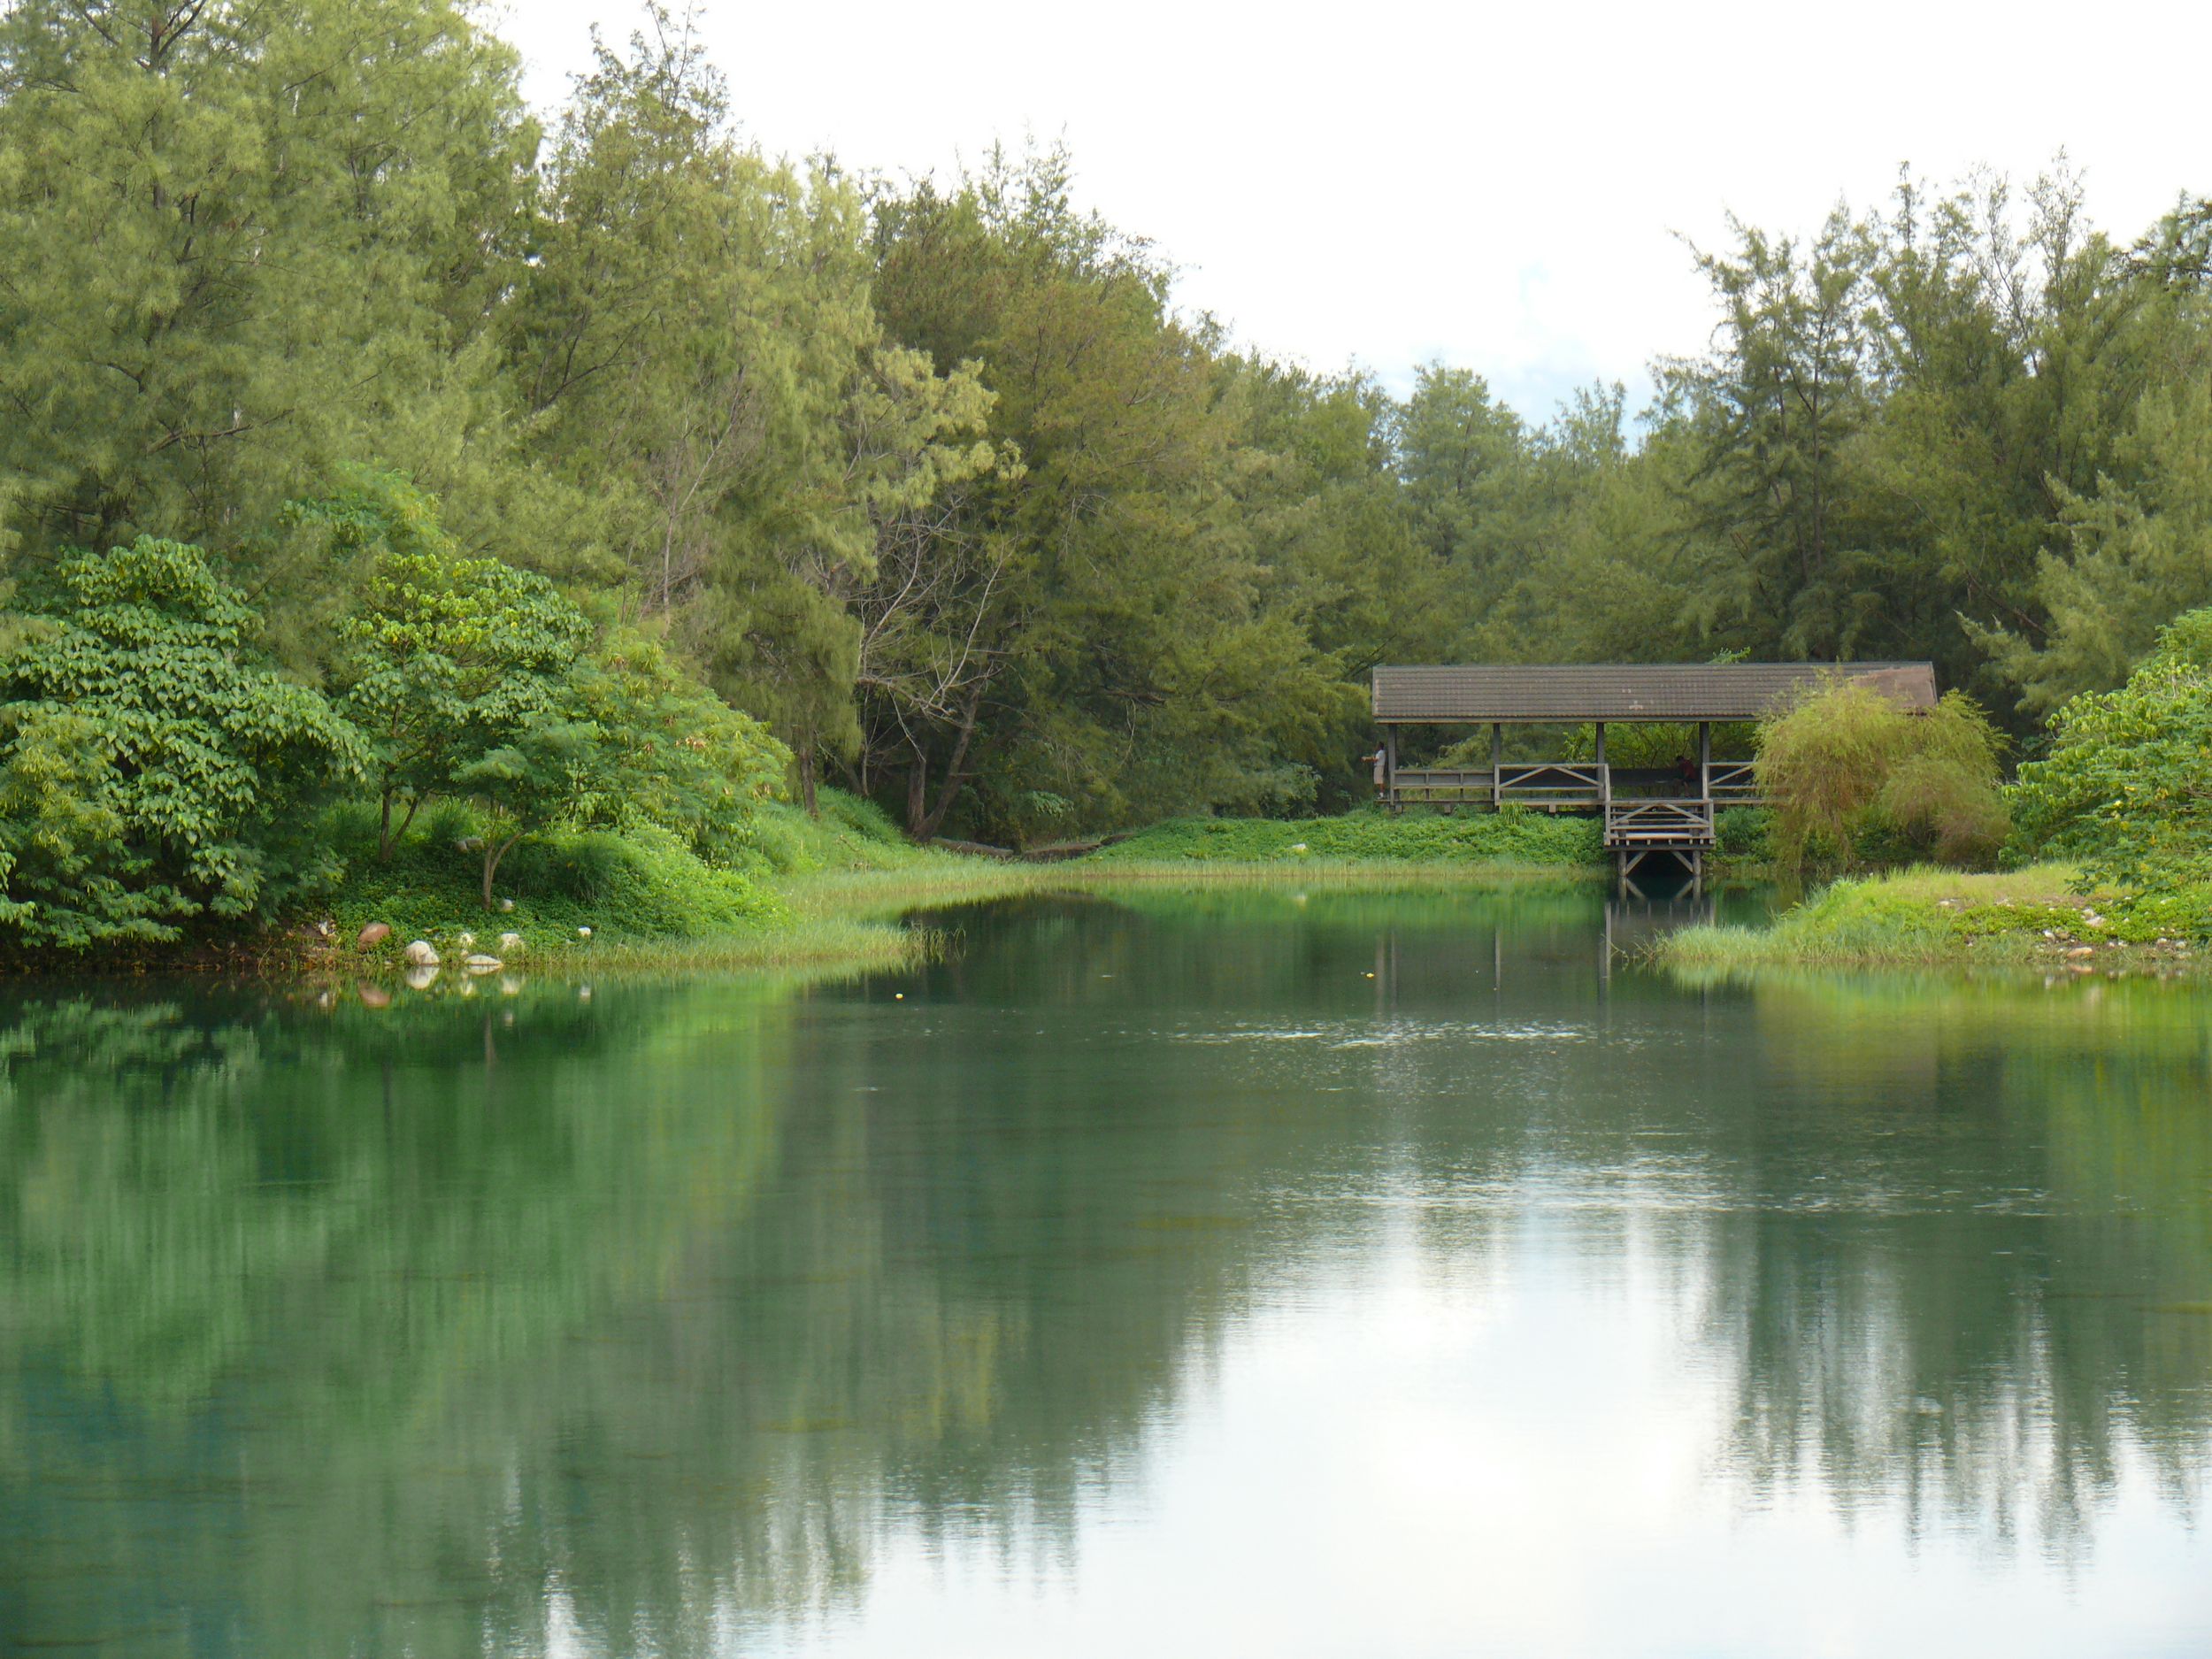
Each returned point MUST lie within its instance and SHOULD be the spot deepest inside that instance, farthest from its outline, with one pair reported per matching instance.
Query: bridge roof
(1626, 691)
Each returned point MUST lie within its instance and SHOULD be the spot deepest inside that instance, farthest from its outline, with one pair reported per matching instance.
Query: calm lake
(1251, 1274)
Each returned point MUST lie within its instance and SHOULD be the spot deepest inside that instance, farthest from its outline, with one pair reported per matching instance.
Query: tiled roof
(1627, 691)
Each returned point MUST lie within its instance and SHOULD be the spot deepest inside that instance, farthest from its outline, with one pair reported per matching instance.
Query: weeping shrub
(1854, 780)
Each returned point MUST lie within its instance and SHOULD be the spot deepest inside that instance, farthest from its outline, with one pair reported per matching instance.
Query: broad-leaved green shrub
(155, 768)
(2126, 788)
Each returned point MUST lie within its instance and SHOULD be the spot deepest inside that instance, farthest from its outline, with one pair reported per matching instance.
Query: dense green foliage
(613, 474)
(1853, 779)
(2127, 787)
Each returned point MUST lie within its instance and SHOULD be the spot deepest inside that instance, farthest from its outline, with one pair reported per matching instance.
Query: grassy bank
(831, 891)
(800, 893)
(1512, 840)
(1934, 918)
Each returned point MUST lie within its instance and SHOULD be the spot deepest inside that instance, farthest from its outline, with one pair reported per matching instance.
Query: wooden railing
(1731, 782)
(1443, 783)
(1542, 783)
(1559, 782)
(1564, 783)
(1687, 823)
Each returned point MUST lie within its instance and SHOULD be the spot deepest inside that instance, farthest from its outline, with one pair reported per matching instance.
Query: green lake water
(1343, 1274)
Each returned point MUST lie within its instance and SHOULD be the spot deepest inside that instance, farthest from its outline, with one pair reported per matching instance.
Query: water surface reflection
(1241, 1272)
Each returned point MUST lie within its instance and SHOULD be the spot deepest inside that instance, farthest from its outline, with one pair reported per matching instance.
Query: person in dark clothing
(1686, 770)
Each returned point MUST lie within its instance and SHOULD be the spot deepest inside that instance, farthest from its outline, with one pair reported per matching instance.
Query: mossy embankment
(1924, 917)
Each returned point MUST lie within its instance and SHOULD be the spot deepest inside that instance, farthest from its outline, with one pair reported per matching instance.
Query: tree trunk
(387, 837)
(492, 855)
(806, 781)
(934, 820)
(918, 795)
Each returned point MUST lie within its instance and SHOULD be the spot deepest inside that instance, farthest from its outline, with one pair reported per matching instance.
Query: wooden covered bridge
(1647, 810)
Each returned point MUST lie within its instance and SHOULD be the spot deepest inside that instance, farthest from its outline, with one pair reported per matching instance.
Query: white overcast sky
(1381, 183)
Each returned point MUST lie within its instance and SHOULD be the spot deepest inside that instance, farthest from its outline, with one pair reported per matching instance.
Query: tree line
(935, 482)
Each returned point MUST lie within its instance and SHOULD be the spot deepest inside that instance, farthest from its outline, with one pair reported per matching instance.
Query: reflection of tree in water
(1986, 1361)
(357, 1331)
(408, 1337)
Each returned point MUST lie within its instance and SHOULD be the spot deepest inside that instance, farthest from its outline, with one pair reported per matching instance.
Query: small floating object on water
(1371, 974)
(898, 996)
(481, 964)
(421, 954)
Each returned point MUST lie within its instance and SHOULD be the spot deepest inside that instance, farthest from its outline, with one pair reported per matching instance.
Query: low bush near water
(849, 834)
(641, 884)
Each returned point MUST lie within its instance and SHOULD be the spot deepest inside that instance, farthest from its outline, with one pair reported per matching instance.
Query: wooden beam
(1704, 760)
(1497, 759)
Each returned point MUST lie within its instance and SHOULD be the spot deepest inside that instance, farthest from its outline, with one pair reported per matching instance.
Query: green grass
(1925, 915)
(1510, 838)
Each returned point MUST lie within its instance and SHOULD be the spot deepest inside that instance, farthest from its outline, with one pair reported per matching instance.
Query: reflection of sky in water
(1468, 1503)
(1529, 1449)
(1382, 1274)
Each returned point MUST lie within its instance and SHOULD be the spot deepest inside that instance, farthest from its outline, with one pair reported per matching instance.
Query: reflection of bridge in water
(1635, 920)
